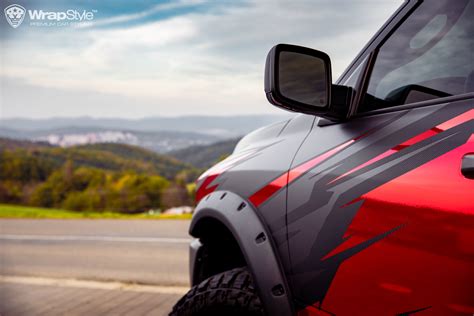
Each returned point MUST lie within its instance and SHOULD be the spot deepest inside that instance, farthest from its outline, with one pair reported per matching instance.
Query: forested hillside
(107, 177)
(113, 157)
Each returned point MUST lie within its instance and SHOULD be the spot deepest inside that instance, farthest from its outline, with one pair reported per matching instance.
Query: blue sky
(168, 58)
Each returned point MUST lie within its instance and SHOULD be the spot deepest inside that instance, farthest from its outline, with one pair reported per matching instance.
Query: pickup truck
(362, 204)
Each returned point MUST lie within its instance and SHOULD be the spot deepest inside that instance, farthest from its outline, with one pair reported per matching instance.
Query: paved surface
(32, 299)
(154, 252)
(129, 251)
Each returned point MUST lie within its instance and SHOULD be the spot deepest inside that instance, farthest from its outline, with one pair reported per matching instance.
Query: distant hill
(7, 143)
(205, 156)
(112, 157)
(159, 141)
(220, 126)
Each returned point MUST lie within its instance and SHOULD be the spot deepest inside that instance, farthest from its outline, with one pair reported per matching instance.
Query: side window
(431, 55)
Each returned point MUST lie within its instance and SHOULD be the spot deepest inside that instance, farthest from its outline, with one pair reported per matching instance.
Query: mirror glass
(303, 78)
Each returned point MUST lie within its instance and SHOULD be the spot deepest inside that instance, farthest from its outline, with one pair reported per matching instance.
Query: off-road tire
(230, 293)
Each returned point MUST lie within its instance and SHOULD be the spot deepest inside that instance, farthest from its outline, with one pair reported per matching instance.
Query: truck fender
(256, 244)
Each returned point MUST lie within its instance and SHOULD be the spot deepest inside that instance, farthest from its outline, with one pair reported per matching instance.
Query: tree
(174, 195)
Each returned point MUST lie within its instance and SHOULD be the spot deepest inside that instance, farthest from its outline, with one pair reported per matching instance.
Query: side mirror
(299, 79)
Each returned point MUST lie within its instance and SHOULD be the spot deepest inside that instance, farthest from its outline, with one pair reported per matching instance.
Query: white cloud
(207, 63)
(142, 15)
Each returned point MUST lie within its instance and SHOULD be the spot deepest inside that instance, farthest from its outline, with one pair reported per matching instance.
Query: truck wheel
(229, 293)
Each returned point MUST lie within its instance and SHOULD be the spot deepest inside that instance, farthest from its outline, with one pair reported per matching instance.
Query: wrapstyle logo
(15, 15)
(68, 15)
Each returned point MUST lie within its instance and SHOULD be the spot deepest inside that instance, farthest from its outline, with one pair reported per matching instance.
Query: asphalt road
(141, 251)
(135, 267)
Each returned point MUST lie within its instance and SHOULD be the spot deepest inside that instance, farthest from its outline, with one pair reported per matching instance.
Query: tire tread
(231, 289)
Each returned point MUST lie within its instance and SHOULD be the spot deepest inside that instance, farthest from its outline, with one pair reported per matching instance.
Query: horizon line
(140, 118)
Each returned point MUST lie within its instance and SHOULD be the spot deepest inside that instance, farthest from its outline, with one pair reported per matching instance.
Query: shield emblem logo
(15, 14)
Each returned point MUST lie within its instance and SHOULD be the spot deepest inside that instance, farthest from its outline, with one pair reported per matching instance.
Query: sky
(137, 59)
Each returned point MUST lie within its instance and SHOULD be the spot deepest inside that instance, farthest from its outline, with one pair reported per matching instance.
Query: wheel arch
(225, 216)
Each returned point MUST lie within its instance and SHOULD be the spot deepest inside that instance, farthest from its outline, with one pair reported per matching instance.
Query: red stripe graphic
(210, 175)
(427, 134)
(270, 189)
(288, 177)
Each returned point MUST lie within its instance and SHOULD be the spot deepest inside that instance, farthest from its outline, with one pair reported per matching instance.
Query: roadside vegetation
(38, 180)
(17, 211)
(92, 179)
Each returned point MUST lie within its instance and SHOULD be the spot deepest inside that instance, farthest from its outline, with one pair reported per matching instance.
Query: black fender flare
(256, 244)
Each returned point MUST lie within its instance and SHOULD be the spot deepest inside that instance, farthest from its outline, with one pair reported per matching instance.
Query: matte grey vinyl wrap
(275, 151)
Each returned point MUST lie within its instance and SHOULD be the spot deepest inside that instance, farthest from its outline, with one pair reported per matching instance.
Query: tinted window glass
(431, 55)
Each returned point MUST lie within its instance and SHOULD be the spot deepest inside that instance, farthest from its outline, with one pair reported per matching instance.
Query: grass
(17, 211)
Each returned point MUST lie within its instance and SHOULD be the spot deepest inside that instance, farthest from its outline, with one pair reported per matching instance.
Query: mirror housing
(298, 79)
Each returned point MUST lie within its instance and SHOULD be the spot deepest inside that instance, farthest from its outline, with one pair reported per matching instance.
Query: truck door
(380, 211)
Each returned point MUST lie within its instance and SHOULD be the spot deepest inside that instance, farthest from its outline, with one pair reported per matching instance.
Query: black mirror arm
(341, 98)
